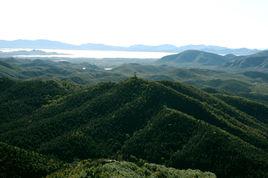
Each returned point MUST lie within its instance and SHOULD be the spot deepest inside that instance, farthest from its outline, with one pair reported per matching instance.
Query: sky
(229, 23)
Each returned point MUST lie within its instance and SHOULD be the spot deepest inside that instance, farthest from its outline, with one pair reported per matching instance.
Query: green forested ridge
(22, 98)
(162, 122)
(255, 109)
(200, 145)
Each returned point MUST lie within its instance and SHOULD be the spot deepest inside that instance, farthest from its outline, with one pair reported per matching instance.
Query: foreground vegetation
(164, 122)
(114, 169)
(16, 162)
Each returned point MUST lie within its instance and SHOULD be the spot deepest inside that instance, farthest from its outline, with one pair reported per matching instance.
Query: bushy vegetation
(22, 98)
(114, 169)
(16, 162)
(255, 109)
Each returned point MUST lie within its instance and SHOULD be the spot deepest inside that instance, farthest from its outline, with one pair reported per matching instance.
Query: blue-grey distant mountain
(35, 44)
(160, 48)
(256, 61)
(195, 57)
(47, 44)
(26, 53)
(219, 50)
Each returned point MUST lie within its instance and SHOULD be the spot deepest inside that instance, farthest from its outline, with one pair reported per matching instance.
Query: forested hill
(161, 122)
(194, 57)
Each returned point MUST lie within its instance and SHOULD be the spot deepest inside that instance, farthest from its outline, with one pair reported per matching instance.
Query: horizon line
(152, 45)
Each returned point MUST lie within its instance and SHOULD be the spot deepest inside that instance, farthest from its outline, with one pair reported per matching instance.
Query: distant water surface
(92, 53)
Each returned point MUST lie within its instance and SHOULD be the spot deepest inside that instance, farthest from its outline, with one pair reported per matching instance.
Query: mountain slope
(257, 110)
(22, 98)
(114, 120)
(255, 61)
(196, 145)
(194, 57)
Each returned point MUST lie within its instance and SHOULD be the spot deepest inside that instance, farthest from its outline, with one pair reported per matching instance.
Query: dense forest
(56, 128)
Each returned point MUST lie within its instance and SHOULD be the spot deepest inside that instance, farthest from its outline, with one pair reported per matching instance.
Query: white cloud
(233, 23)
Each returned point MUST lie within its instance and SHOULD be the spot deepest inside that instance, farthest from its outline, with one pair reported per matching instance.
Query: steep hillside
(161, 122)
(257, 110)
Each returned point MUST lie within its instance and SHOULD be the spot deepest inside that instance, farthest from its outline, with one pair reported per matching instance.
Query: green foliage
(115, 169)
(16, 162)
(257, 110)
(176, 139)
(22, 98)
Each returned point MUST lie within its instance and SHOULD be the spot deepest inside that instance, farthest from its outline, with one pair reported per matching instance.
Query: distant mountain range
(47, 44)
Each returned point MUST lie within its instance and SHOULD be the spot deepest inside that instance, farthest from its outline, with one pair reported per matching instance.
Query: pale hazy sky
(231, 23)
